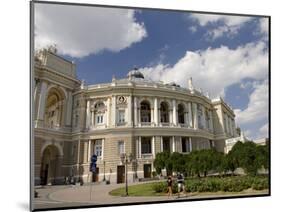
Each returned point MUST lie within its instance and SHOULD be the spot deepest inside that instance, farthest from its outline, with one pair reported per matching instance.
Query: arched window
(181, 114)
(145, 112)
(54, 108)
(99, 113)
(164, 112)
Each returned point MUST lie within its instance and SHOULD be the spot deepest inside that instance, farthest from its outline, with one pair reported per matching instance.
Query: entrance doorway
(44, 175)
(121, 174)
(50, 165)
(147, 170)
(95, 176)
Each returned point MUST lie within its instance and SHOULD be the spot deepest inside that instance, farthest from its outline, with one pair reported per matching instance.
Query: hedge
(214, 184)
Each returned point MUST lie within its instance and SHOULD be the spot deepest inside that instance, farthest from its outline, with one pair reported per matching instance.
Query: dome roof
(135, 73)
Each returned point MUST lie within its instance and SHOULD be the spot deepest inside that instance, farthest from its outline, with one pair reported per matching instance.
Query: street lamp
(126, 159)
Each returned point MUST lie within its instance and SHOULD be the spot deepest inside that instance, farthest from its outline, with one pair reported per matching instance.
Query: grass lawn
(145, 189)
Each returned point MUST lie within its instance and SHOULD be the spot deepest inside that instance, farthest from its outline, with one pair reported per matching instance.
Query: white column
(102, 154)
(156, 119)
(203, 117)
(135, 111)
(190, 144)
(78, 156)
(180, 144)
(153, 146)
(175, 117)
(139, 147)
(93, 118)
(42, 100)
(211, 121)
(195, 116)
(69, 109)
(88, 116)
(231, 126)
(173, 144)
(139, 116)
(189, 115)
(89, 150)
(130, 110)
(152, 114)
(113, 111)
(170, 116)
(108, 112)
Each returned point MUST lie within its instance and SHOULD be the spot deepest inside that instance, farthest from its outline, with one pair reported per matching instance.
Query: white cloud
(80, 31)
(193, 29)
(246, 85)
(214, 70)
(263, 25)
(263, 131)
(257, 108)
(220, 24)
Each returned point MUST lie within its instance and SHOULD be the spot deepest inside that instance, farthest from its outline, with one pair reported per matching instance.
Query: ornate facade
(133, 115)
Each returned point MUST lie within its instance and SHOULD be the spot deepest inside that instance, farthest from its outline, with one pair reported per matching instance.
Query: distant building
(261, 141)
(229, 143)
(133, 115)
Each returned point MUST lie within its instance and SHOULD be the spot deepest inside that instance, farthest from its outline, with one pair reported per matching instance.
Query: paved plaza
(71, 196)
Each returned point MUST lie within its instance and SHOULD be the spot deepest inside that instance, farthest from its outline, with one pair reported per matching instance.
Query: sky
(225, 55)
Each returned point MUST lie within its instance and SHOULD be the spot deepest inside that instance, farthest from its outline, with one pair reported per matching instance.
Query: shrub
(192, 185)
(260, 184)
(160, 187)
(214, 184)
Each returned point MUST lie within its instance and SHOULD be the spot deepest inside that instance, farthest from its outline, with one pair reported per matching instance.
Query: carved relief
(121, 100)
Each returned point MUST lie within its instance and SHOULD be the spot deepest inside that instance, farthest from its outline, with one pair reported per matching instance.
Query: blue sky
(225, 55)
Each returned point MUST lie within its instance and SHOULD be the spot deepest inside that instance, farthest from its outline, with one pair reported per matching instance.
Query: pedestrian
(180, 181)
(170, 184)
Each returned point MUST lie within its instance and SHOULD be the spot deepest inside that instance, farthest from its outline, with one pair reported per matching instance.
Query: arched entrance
(50, 165)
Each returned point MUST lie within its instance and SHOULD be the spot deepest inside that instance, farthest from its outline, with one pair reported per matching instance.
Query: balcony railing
(165, 124)
(146, 124)
(146, 156)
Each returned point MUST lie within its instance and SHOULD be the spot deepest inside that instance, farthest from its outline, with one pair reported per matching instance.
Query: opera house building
(133, 115)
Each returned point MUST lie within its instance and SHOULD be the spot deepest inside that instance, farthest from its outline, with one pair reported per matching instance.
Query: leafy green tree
(178, 162)
(248, 156)
(160, 161)
(263, 155)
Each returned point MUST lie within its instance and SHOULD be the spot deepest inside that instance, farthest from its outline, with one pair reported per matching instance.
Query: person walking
(180, 181)
(170, 184)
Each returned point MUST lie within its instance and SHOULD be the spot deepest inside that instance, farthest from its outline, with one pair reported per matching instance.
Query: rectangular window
(121, 147)
(146, 145)
(212, 143)
(166, 144)
(185, 144)
(99, 119)
(121, 116)
(98, 148)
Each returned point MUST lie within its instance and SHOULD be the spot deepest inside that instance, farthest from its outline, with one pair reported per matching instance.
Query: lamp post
(126, 159)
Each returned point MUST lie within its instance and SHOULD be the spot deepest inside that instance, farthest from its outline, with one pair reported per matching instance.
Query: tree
(248, 156)
(204, 161)
(160, 161)
(263, 156)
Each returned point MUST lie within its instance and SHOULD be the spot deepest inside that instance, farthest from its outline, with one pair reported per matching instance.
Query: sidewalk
(63, 196)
